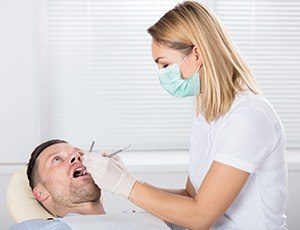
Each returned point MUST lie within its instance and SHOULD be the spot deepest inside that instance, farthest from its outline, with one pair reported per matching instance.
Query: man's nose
(75, 158)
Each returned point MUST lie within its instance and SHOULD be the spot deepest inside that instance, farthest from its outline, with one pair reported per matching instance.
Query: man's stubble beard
(70, 194)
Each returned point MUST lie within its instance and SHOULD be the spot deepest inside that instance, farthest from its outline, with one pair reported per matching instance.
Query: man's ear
(40, 193)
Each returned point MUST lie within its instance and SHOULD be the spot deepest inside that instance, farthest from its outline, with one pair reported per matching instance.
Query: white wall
(19, 120)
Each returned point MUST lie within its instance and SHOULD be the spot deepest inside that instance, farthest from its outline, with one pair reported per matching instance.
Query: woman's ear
(40, 193)
(197, 55)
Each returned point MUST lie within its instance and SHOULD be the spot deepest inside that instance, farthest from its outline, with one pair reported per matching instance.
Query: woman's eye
(165, 66)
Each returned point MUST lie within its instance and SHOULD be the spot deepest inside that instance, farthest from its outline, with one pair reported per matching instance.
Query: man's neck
(88, 208)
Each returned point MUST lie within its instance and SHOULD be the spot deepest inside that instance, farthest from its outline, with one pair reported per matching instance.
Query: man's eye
(55, 159)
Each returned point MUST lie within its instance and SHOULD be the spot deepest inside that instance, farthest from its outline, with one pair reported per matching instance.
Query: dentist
(237, 175)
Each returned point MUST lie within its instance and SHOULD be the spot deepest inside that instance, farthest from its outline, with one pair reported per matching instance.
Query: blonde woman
(237, 174)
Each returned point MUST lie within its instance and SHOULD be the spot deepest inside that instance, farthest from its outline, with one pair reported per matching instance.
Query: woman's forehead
(160, 50)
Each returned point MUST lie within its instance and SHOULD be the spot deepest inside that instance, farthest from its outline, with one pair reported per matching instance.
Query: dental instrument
(113, 153)
(92, 146)
(118, 151)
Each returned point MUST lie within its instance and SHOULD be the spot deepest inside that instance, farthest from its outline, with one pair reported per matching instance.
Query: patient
(60, 182)
(62, 185)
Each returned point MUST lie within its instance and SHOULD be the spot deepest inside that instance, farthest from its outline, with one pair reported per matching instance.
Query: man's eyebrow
(79, 150)
(50, 156)
(157, 59)
(47, 158)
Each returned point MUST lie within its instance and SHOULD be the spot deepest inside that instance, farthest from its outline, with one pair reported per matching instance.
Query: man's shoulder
(37, 224)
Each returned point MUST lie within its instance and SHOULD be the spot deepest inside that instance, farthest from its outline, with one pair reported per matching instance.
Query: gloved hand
(116, 158)
(108, 174)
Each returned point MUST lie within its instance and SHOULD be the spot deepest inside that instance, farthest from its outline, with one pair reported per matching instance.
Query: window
(100, 79)
(268, 35)
(100, 83)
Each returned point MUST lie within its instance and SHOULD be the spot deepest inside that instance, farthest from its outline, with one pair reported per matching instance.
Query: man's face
(64, 176)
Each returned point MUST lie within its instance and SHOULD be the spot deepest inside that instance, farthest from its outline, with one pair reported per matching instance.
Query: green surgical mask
(170, 79)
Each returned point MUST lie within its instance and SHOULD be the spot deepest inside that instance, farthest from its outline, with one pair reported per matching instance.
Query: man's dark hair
(32, 167)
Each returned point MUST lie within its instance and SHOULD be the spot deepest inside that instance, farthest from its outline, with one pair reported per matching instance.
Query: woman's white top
(249, 137)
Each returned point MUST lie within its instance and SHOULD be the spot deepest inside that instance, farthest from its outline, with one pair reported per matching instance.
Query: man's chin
(88, 184)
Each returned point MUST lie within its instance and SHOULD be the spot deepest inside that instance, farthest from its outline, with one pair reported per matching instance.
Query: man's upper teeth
(81, 171)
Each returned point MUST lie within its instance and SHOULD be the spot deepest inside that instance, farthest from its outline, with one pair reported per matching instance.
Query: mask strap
(183, 59)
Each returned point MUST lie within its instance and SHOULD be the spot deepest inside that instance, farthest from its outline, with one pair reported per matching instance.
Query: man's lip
(83, 177)
(76, 166)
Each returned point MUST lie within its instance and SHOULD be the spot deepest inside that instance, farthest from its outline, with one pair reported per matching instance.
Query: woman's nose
(75, 158)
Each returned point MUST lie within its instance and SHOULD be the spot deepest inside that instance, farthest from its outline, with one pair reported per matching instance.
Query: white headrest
(20, 201)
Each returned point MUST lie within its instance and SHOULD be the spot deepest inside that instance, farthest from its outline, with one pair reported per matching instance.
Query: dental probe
(92, 146)
(111, 154)
(118, 151)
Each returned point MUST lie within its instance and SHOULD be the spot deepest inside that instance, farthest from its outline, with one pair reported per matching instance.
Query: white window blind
(268, 35)
(101, 81)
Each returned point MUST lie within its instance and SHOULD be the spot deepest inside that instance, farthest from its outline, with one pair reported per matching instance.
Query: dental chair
(20, 201)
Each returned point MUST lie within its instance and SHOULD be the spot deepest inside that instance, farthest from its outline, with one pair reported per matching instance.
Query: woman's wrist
(136, 185)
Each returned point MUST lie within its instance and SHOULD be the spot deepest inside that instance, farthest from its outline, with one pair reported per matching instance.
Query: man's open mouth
(79, 172)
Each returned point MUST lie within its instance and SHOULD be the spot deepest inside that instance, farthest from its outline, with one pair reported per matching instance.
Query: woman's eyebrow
(157, 59)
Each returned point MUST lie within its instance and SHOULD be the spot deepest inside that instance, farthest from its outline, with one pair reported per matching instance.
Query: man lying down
(61, 184)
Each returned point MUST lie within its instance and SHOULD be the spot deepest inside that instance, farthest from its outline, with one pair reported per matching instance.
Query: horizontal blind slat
(268, 35)
(102, 80)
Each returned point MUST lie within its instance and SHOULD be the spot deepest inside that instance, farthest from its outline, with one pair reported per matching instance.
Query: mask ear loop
(199, 78)
(183, 59)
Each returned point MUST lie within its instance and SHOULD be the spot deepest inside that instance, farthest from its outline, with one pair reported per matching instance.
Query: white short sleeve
(246, 139)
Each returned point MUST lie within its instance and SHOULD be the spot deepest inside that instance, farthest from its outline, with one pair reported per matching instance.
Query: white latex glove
(108, 175)
(116, 158)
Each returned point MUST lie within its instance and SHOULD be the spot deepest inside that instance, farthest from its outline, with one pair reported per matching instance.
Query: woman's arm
(190, 188)
(181, 192)
(218, 190)
(188, 191)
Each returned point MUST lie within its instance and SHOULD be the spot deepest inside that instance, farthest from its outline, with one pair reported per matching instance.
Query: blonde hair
(225, 73)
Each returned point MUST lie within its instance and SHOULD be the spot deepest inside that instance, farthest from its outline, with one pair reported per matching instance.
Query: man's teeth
(80, 172)
(84, 172)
